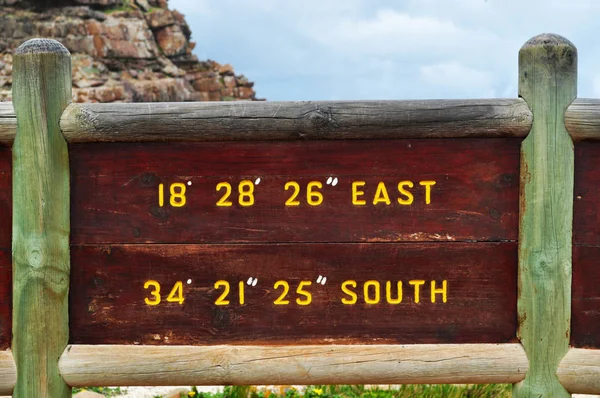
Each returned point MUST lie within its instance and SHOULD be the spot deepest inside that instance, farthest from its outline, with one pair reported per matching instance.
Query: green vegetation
(405, 391)
(106, 391)
(344, 391)
(124, 6)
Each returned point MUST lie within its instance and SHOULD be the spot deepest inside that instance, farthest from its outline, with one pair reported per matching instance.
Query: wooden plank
(336, 364)
(5, 247)
(5, 299)
(586, 248)
(108, 293)
(586, 218)
(579, 371)
(296, 120)
(548, 82)
(41, 90)
(583, 119)
(115, 191)
(8, 373)
(5, 197)
(585, 323)
(8, 123)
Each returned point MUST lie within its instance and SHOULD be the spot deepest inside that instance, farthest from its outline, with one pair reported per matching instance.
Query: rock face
(123, 51)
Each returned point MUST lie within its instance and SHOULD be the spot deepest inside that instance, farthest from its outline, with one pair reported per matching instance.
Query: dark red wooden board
(585, 329)
(107, 294)
(586, 211)
(5, 196)
(5, 242)
(5, 298)
(115, 191)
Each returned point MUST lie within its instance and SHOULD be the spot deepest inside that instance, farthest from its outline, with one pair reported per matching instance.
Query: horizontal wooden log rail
(582, 119)
(286, 120)
(8, 373)
(579, 371)
(83, 365)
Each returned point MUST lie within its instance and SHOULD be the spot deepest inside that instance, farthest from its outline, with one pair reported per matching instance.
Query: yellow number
(292, 200)
(246, 191)
(161, 195)
(223, 202)
(308, 297)
(221, 300)
(241, 286)
(177, 198)
(286, 288)
(176, 295)
(155, 292)
(314, 198)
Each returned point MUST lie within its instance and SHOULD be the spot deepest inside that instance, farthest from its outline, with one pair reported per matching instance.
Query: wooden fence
(446, 241)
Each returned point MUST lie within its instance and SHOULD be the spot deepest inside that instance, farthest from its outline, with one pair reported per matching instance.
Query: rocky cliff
(123, 50)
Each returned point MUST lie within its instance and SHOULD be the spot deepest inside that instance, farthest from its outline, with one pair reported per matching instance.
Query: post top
(547, 40)
(38, 46)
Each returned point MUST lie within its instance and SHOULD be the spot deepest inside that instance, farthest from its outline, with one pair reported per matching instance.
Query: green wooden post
(40, 242)
(548, 83)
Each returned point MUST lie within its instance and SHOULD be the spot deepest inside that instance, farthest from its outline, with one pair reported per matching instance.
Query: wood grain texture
(41, 90)
(579, 371)
(586, 217)
(8, 123)
(5, 197)
(296, 120)
(83, 365)
(286, 120)
(115, 191)
(585, 325)
(583, 119)
(586, 248)
(548, 82)
(5, 247)
(8, 373)
(107, 293)
(5, 298)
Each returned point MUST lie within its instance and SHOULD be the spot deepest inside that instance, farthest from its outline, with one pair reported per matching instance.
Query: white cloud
(458, 78)
(354, 49)
(392, 32)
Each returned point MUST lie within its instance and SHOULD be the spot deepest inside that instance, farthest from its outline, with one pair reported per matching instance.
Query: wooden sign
(351, 241)
(320, 191)
(586, 247)
(362, 242)
(5, 239)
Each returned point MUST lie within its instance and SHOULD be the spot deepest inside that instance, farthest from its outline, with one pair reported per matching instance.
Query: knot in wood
(35, 257)
(321, 119)
(87, 118)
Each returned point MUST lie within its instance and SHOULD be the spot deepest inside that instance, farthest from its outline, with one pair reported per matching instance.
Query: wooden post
(40, 243)
(548, 83)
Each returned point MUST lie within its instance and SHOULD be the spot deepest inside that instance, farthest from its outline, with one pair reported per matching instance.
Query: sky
(387, 49)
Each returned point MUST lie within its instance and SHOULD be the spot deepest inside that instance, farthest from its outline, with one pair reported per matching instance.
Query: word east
(403, 193)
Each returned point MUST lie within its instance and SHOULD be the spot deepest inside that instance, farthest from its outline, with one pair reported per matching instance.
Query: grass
(106, 391)
(344, 391)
